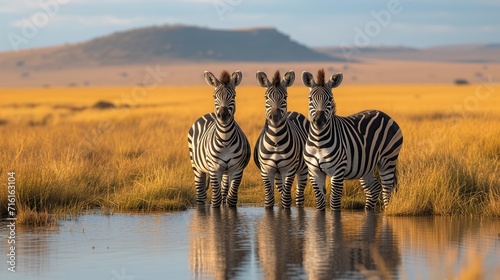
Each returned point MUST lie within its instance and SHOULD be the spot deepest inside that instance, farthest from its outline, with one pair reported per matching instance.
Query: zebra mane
(225, 78)
(276, 78)
(321, 78)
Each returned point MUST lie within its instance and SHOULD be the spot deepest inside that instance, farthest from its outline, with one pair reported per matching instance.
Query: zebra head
(224, 94)
(276, 94)
(321, 103)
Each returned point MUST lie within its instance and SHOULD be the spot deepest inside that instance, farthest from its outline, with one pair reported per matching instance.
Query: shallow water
(254, 243)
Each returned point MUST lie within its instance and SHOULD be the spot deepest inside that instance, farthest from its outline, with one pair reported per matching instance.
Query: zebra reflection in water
(219, 243)
(280, 243)
(338, 247)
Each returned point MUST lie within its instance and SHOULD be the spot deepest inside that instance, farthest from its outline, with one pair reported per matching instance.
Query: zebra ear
(211, 79)
(262, 79)
(308, 79)
(336, 80)
(288, 79)
(236, 78)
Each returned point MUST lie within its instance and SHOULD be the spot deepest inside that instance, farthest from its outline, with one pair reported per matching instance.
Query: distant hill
(472, 53)
(170, 43)
(178, 55)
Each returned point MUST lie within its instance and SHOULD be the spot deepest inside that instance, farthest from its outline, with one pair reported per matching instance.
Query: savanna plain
(122, 149)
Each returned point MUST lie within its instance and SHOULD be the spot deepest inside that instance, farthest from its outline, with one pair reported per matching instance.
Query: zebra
(279, 148)
(348, 147)
(217, 146)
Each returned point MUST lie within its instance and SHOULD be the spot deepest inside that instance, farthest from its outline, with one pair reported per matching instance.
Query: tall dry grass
(449, 167)
(69, 157)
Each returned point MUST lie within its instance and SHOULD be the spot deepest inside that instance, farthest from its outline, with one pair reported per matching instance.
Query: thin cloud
(18, 6)
(421, 28)
(101, 20)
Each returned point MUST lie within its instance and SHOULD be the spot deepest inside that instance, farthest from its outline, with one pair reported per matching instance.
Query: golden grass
(452, 173)
(70, 156)
(33, 218)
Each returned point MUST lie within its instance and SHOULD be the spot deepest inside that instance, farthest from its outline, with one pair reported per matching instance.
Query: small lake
(255, 243)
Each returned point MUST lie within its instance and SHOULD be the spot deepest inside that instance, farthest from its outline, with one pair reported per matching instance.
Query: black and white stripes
(348, 147)
(291, 145)
(279, 148)
(217, 146)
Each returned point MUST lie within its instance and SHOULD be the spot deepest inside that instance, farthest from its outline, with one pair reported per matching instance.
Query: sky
(415, 23)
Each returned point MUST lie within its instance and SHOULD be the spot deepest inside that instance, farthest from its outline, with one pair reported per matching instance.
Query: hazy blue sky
(417, 23)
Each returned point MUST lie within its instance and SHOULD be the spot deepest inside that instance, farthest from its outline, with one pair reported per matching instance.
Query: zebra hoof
(200, 206)
(231, 202)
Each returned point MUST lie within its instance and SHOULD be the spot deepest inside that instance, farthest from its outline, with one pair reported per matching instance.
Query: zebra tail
(396, 175)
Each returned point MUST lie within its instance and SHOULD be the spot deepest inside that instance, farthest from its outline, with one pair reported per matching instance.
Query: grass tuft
(33, 218)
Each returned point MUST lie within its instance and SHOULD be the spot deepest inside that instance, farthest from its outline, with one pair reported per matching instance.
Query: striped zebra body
(219, 150)
(349, 148)
(279, 148)
(278, 155)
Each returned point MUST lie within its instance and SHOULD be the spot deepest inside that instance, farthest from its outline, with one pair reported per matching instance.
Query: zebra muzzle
(275, 116)
(319, 119)
(223, 114)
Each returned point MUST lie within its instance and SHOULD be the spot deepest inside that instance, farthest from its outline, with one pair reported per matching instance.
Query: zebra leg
(372, 190)
(201, 184)
(337, 185)
(235, 179)
(286, 195)
(389, 181)
(279, 182)
(224, 186)
(301, 185)
(215, 180)
(318, 178)
(268, 179)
